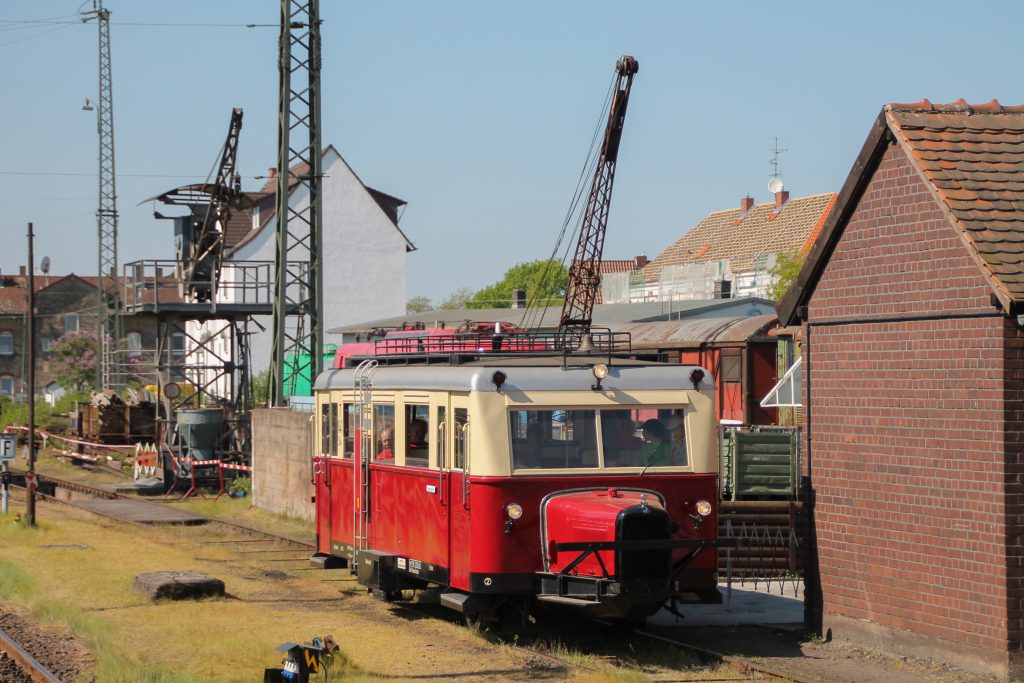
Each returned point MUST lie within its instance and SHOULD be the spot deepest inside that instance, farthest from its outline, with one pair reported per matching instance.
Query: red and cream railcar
(507, 480)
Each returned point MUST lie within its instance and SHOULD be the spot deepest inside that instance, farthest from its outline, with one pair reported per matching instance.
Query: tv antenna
(774, 161)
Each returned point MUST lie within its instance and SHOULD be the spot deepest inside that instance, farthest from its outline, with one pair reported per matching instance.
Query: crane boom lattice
(585, 268)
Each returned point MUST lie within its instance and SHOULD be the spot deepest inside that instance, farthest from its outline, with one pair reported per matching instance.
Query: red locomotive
(509, 475)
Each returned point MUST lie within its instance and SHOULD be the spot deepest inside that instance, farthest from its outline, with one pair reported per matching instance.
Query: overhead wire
(34, 35)
(533, 316)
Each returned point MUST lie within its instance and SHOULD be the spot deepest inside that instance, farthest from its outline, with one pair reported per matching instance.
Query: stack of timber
(110, 419)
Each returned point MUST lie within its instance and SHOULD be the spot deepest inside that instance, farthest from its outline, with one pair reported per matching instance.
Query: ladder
(363, 390)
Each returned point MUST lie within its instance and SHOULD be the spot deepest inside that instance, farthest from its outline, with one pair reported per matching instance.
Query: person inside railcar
(654, 451)
(677, 439)
(617, 438)
(385, 444)
(417, 433)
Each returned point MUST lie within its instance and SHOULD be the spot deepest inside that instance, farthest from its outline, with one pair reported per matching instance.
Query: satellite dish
(45, 265)
(775, 185)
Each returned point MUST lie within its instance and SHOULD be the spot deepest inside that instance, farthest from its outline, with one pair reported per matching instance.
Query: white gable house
(363, 257)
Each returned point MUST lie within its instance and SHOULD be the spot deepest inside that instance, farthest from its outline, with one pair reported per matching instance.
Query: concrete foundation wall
(281, 462)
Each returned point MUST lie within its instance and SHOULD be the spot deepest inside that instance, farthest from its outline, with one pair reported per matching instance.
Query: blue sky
(479, 114)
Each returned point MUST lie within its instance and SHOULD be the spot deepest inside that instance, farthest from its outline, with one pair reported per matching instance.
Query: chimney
(640, 261)
(272, 173)
(21, 271)
(781, 197)
(518, 298)
(723, 289)
(746, 204)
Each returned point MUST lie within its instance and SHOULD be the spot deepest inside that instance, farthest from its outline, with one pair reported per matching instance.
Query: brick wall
(908, 426)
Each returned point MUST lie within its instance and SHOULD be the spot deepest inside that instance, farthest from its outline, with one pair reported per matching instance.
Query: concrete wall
(281, 462)
(910, 453)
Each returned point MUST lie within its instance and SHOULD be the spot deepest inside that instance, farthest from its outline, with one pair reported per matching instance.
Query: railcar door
(459, 493)
(325, 447)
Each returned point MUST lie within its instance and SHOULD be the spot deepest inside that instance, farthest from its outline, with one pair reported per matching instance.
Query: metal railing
(150, 284)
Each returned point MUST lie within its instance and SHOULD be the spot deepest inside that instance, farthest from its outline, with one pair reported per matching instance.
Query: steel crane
(585, 269)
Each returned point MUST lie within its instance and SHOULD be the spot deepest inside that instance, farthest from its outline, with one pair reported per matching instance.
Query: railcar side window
(348, 433)
(329, 429)
(642, 437)
(384, 433)
(417, 435)
(461, 420)
(554, 439)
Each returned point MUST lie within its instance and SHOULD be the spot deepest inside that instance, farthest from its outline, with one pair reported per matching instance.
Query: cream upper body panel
(538, 387)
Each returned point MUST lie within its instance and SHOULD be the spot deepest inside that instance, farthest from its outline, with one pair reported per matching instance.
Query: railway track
(17, 664)
(745, 666)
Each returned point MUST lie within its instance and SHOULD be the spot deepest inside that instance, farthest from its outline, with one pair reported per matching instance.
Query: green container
(762, 464)
(296, 375)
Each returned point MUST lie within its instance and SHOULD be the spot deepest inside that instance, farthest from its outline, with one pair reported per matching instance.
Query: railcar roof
(523, 374)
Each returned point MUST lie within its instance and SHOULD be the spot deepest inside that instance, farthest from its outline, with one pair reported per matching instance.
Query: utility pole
(30, 478)
(108, 324)
(298, 277)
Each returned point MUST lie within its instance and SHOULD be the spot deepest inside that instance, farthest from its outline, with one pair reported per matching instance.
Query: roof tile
(762, 230)
(974, 155)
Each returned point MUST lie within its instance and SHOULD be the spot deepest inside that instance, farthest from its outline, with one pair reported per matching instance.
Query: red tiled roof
(743, 236)
(974, 157)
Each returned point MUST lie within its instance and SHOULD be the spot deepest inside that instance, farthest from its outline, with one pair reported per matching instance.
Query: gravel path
(55, 650)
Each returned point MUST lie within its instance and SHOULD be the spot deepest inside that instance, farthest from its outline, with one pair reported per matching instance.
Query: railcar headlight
(703, 508)
(514, 511)
(600, 371)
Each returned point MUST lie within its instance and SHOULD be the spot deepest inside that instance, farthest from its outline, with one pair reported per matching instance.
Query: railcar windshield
(581, 438)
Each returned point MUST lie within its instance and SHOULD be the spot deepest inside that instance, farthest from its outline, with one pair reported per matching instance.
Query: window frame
(7, 334)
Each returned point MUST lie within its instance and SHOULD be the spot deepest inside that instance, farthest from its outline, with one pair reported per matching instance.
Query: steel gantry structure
(108, 323)
(297, 345)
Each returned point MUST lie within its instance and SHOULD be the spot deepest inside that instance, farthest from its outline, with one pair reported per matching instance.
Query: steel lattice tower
(298, 278)
(108, 323)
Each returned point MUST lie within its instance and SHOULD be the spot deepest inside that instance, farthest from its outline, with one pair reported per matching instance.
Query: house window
(133, 343)
(44, 344)
(7, 385)
(178, 344)
(70, 322)
(6, 344)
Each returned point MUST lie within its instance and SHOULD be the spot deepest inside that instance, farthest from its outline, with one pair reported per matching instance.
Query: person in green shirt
(654, 451)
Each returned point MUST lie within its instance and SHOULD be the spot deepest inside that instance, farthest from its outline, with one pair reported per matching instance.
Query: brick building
(64, 303)
(911, 302)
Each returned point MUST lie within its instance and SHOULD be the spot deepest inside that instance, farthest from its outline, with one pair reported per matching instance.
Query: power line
(120, 175)
(177, 24)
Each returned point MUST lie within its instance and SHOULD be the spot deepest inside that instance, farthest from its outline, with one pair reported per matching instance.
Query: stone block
(177, 585)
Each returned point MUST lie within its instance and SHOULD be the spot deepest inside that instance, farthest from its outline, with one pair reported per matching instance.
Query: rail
(29, 664)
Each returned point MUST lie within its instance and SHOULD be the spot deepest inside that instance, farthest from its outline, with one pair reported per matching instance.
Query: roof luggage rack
(459, 348)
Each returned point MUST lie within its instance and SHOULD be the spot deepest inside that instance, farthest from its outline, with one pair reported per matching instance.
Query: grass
(88, 591)
(241, 510)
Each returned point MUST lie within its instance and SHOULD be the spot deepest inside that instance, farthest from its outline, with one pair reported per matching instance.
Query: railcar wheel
(480, 620)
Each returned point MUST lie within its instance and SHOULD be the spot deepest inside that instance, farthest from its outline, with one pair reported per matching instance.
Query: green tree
(73, 360)
(544, 281)
(457, 299)
(418, 304)
(785, 271)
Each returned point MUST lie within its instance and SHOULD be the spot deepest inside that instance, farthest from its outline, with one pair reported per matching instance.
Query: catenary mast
(108, 323)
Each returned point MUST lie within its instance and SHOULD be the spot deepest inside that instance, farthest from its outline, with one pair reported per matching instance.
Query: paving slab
(761, 604)
(140, 512)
